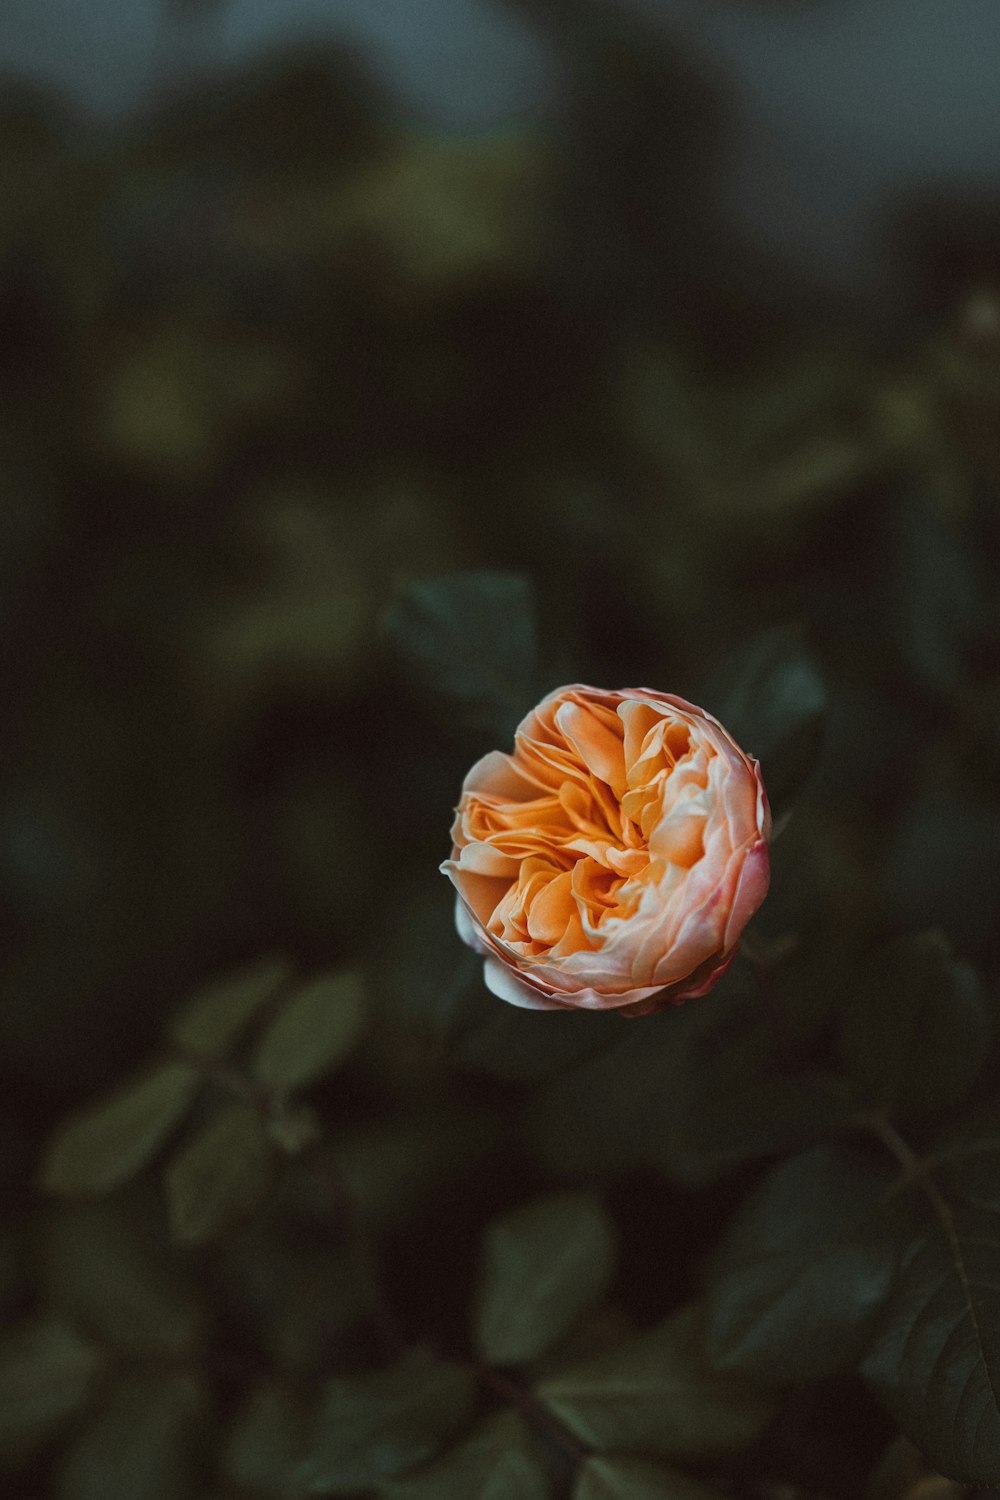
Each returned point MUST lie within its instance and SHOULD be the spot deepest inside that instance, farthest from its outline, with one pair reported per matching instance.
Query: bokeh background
(687, 313)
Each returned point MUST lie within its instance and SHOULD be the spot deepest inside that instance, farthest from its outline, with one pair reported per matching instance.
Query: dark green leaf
(47, 1374)
(543, 1264)
(937, 604)
(936, 1357)
(802, 1270)
(694, 1091)
(636, 1479)
(658, 1394)
(219, 1175)
(935, 1361)
(916, 1031)
(105, 1270)
(469, 641)
(386, 1168)
(966, 1156)
(106, 1143)
(770, 695)
(941, 865)
(141, 1446)
(294, 1296)
(425, 978)
(372, 1427)
(214, 1019)
(315, 1030)
(498, 1462)
(522, 1046)
(265, 1443)
(740, 1104)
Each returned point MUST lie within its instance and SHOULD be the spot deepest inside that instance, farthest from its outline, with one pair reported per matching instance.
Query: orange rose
(614, 859)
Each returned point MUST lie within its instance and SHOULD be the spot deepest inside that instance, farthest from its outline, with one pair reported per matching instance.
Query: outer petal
(505, 983)
(751, 888)
(467, 929)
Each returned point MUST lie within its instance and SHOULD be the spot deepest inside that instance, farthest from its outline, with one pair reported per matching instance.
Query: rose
(614, 859)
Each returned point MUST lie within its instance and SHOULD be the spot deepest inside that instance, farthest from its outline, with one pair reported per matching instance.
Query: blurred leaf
(658, 1394)
(105, 1269)
(425, 979)
(742, 1103)
(388, 1166)
(902, 1473)
(941, 867)
(543, 1265)
(303, 619)
(695, 1091)
(265, 1443)
(319, 811)
(296, 1298)
(469, 641)
(141, 1446)
(916, 1031)
(47, 1374)
(524, 1047)
(935, 1361)
(314, 1031)
(636, 1479)
(966, 1156)
(219, 1175)
(449, 213)
(498, 1462)
(105, 1144)
(936, 595)
(802, 1270)
(371, 1427)
(213, 1020)
(771, 697)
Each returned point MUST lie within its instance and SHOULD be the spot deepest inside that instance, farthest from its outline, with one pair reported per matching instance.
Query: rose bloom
(614, 859)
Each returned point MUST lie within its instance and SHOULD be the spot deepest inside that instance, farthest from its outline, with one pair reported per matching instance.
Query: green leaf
(105, 1269)
(522, 1046)
(939, 601)
(387, 1167)
(695, 1092)
(315, 1030)
(941, 862)
(293, 1295)
(425, 978)
(469, 641)
(213, 1020)
(636, 1479)
(498, 1462)
(47, 1375)
(105, 1144)
(219, 1175)
(917, 1031)
(141, 1446)
(372, 1427)
(658, 1394)
(543, 1264)
(265, 1443)
(771, 697)
(935, 1361)
(802, 1270)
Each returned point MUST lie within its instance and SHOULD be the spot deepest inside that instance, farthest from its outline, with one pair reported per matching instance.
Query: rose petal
(507, 985)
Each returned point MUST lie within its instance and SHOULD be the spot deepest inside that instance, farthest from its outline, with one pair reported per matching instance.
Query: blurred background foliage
(328, 442)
